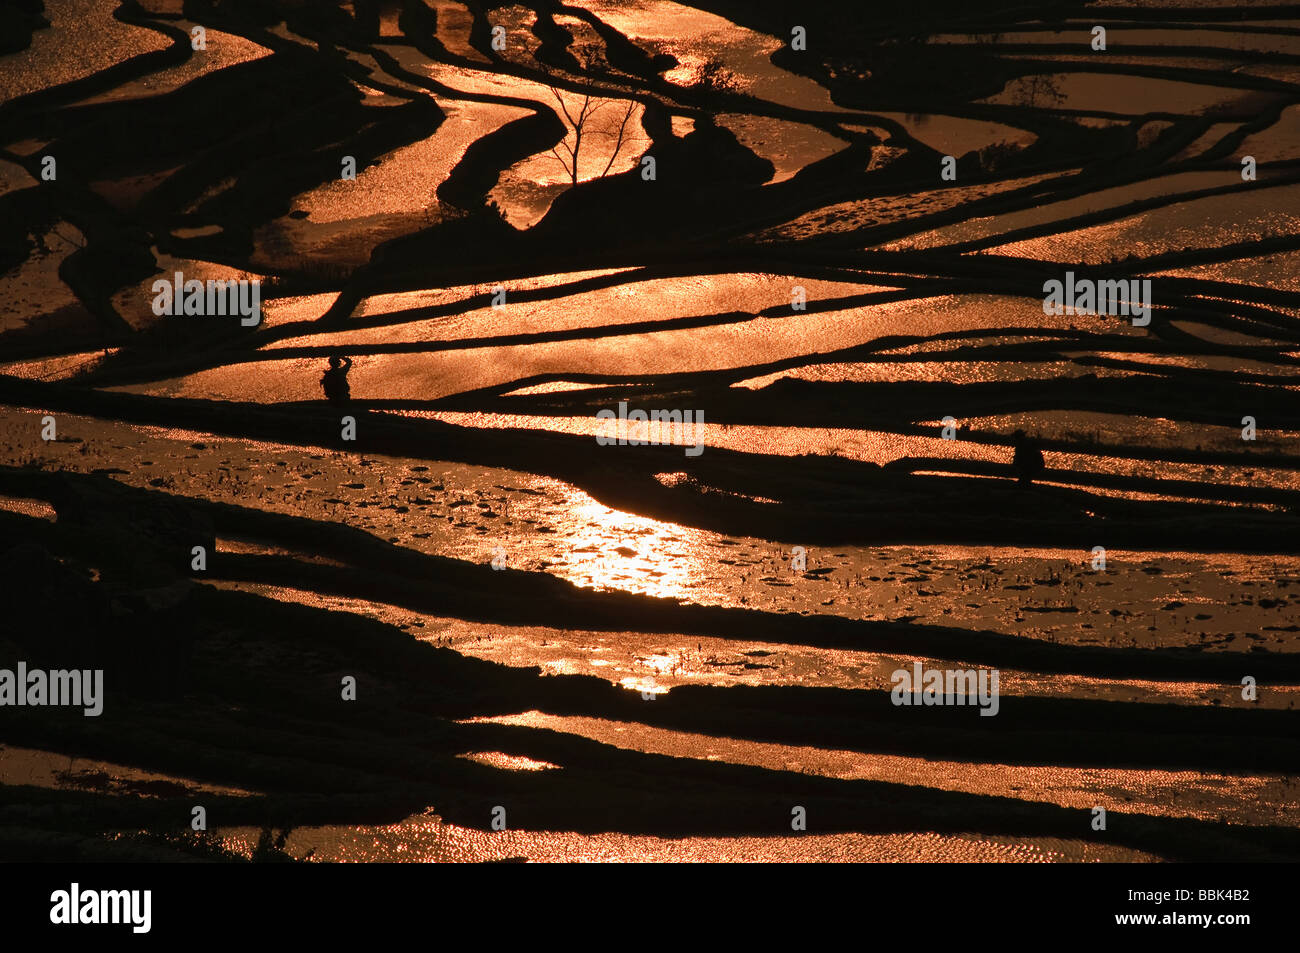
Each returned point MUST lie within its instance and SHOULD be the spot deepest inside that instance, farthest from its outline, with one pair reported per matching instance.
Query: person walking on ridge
(335, 381)
(1028, 459)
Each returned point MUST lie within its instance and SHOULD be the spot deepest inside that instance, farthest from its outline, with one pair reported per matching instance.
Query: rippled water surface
(637, 637)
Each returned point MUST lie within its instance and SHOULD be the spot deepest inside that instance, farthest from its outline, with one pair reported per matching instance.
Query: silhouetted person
(335, 381)
(1028, 460)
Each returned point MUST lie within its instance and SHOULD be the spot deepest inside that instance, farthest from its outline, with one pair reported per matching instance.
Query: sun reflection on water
(611, 549)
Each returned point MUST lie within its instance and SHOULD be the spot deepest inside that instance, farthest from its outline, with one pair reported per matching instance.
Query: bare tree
(583, 124)
(1036, 90)
(582, 127)
(714, 81)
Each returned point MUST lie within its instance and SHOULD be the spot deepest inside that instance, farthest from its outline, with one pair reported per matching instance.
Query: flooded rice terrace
(648, 430)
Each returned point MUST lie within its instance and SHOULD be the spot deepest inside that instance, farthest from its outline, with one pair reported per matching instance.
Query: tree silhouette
(581, 127)
(582, 121)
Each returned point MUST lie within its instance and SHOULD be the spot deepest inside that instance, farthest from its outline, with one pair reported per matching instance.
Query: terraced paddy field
(471, 607)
